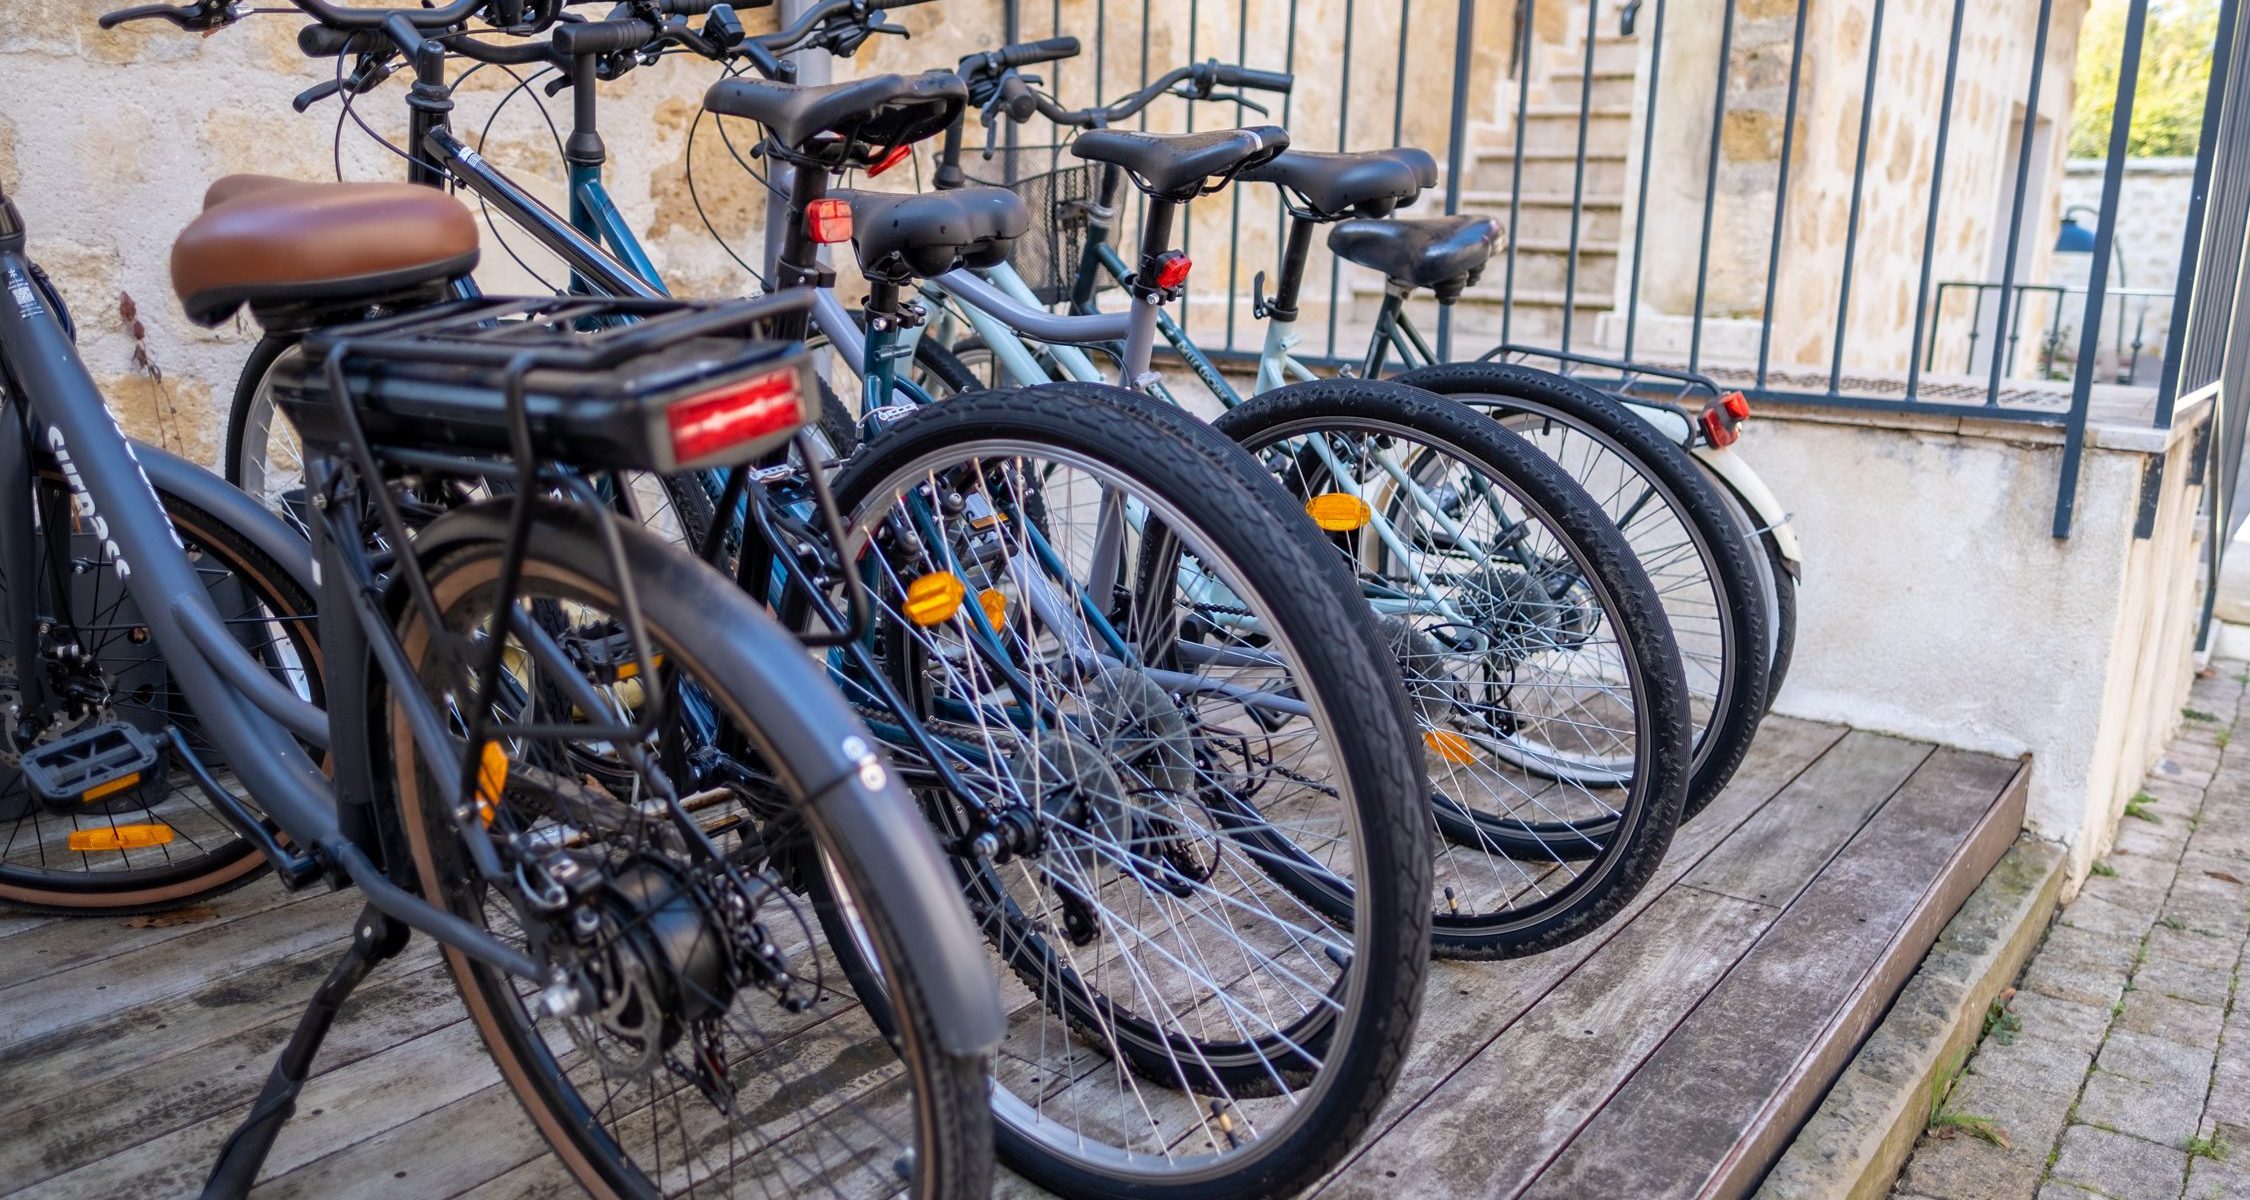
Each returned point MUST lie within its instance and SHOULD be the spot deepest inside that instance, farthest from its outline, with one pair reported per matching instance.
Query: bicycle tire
(1181, 465)
(1670, 473)
(230, 863)
(1632, 844)
(680, 601)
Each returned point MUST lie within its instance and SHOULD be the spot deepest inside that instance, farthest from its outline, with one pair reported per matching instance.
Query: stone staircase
(1540, 223)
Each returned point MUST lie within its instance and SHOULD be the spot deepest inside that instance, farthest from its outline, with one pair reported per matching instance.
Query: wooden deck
(1671, 1054)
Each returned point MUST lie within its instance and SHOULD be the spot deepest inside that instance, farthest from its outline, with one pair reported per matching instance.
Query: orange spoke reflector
(492, 780)
(995, 607)
(1338, 512)
(934, 597)
(1450, 746)
(121, 837)
(109, 789)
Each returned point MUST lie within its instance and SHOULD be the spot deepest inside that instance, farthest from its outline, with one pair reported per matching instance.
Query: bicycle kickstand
(375, 937)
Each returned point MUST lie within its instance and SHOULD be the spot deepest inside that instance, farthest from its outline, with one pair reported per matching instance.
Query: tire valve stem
(1225, 1121)
(1452, 904)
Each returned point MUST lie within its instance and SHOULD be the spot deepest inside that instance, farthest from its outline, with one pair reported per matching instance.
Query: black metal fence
(1720, 167)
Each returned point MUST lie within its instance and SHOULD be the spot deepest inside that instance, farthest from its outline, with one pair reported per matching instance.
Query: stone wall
(107, 140)
(1997, 48)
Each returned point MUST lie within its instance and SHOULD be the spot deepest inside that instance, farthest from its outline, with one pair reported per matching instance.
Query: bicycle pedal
(90, 766)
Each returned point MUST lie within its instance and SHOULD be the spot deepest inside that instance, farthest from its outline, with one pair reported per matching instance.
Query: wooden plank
(1494, 1123)
(58, 1125)
(1709, 1110)
(269, 991)
(466, 1144)
(202, 955)
(1818, 813)
(58, 944)
(336, 1109)
(1471, 1003)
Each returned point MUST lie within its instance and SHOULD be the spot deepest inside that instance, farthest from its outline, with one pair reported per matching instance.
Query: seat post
(1140, 336)
(797, 262)
(1283, 307)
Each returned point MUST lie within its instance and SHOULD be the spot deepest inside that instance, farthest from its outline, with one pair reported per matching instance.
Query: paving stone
(2053, 1190)
(2229, 1101)
(2141, 870)
(2185, 981)
(2191, 946)
(2139, 895)
(2099, 915)
(1954, 1165)
(2163, 841)
(2158, 1015)
(2209, 1179)
(2166, 1112)
(2119, 1165)
(2051, 1065)
(2080, 965)
(2220, 916)
(2156, 1060)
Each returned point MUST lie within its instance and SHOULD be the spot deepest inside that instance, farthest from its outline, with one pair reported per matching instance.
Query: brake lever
(204, 16)
(1243, 99)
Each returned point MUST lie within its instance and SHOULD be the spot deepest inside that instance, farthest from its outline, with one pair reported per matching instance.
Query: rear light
(1172, 270)
(828, 221)
(707, 426)
(1719, 428)
(1737, 405)
(896, 156)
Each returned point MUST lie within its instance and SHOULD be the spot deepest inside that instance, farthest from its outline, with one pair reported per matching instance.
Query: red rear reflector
(740, 413)
(828, 221)
(1716, 428)
(896, 156)
(1172, 270)
(1737, 405)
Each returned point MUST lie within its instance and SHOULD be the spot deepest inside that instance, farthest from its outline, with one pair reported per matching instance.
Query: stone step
(1610, 89)
(1537, 316)
(1541, 266)
(1549, 171)
(1554, 127)
(1545, 217)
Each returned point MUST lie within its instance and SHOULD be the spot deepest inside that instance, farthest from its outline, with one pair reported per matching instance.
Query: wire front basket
(1059, 191)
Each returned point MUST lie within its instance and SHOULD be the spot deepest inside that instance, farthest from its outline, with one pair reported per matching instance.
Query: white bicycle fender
(1758, 498)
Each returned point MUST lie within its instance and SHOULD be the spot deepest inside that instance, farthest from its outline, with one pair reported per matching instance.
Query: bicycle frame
(58, 411)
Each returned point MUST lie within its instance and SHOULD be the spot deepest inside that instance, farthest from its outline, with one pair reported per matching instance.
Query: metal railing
(1815, 324)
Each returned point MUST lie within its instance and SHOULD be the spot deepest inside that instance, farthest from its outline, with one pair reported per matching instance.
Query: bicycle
(1041, 672)
(1546, 685)
(476, 661)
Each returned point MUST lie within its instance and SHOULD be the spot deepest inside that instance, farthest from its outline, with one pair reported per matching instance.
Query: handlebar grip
(319, 41)
(881, 5)
(690, 8)
(1230, 75)
(1023, 54)
(603, 37)
(1017, 98)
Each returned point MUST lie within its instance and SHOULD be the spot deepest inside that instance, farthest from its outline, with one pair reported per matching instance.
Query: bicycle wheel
(160, 843)
(710, 1046)
(1680, 531)
(1542, 675)
(265, 459)
(1207, 866)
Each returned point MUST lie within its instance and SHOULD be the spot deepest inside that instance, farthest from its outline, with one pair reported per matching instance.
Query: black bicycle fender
(840, 771)
(200, 486)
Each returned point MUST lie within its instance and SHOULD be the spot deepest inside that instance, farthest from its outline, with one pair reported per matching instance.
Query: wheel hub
(1520, 616)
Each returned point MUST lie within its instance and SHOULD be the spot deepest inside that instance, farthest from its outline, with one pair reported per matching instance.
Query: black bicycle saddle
(914, 235)
(1175, 166)
(1444, 254)
(878, 113)
(1369, 182)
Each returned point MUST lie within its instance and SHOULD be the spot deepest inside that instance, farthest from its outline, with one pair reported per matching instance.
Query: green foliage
(2000, 1025)
(2175, 66)
(2214, 1147)
(2137, 808)
(2104, 870)
(2197, 714)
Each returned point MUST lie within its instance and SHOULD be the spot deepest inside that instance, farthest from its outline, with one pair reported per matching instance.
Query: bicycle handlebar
(1230, 75)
